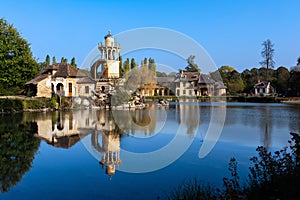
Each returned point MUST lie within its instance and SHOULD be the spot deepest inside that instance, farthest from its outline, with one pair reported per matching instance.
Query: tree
(280, 80)
(73, 62)
(152, 66)
(63, 60)
(53, 60)
(161, 74)
(121, 71)
(17, 64)
(47, 61)
(133, 64)
(192, 66)
(126, 67)
(145, 63)
(267, 54)
(231, 78)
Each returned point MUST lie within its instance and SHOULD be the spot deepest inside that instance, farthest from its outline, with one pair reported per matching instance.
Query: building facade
(195, 84)
(61, 79)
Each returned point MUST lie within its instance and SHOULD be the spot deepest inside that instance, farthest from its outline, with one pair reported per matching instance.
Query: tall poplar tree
(73, 62)
(126, 67)
(132, 64)
(47, 61)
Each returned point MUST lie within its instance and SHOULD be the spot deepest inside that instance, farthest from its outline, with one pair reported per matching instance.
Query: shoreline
(16, 104)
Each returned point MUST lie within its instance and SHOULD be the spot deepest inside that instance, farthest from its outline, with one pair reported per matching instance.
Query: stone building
(196, 84)
(61, 79)
(108, 64)
(263, 88)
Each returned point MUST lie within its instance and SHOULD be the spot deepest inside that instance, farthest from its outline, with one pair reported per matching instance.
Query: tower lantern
(109, 40)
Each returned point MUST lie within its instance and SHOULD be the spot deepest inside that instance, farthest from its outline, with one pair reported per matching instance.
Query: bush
(10, 105)
(276, 174)
(272, 176)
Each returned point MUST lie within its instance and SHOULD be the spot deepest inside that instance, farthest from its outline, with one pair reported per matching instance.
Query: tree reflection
(18, 146)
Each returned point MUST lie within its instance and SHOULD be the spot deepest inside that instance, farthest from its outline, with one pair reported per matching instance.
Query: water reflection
(246, 125)
(18, 147)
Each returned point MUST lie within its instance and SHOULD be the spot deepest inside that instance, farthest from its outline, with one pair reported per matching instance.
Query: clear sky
(231, 31)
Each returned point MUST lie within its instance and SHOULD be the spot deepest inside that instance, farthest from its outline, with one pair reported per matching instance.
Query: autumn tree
(152, 66)
(267, 54)
(17, 64)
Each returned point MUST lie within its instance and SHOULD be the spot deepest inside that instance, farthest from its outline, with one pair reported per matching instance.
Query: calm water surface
(83, 154)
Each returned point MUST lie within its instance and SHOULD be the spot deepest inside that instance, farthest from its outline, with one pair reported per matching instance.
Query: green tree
(63, 60)
(17, 64)
(231, 78)
(73, 62)
(121, 71)
(280, 80)
(192, 66)
(53, 60)
(267, 53)
(126, 67)
(132, 64)
(47, 61)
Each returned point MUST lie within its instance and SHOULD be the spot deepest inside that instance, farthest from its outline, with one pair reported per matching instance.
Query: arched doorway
(60, 89)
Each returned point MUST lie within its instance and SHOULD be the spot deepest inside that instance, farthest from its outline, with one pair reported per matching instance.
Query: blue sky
(231, 31)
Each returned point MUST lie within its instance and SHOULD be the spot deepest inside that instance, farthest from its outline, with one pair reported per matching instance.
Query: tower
(109, 60)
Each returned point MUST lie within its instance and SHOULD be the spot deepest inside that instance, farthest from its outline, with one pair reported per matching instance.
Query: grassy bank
(17, 104)
(254, 99)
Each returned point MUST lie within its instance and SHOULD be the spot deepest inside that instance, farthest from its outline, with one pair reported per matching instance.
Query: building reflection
(189, 115)
(109, 134)
(105, 128)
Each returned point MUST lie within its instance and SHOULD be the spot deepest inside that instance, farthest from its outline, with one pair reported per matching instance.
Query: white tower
(109, 60)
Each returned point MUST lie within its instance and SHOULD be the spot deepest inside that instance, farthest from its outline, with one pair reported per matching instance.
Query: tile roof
(86, 79)
(62, 70)
(37, 79)
(66, 70)
(164, 79)
(187, 76)
(206, 79)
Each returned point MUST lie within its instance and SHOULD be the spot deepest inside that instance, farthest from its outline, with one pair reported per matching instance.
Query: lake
(139, 154)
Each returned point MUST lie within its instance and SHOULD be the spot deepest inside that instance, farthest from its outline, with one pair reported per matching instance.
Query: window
(178, 92)
(87, 89)
(184, 84)
(184, 92)
(190, 92)
(70, 87)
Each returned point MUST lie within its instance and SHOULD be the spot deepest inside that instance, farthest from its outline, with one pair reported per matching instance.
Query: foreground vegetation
(272, 176)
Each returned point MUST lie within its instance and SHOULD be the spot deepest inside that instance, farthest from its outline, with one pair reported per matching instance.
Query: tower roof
(108, 35)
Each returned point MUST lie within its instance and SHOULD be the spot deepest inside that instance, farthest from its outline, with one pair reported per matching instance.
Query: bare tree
(267, 53)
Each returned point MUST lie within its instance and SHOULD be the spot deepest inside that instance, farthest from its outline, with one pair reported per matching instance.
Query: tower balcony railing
(103, 45)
